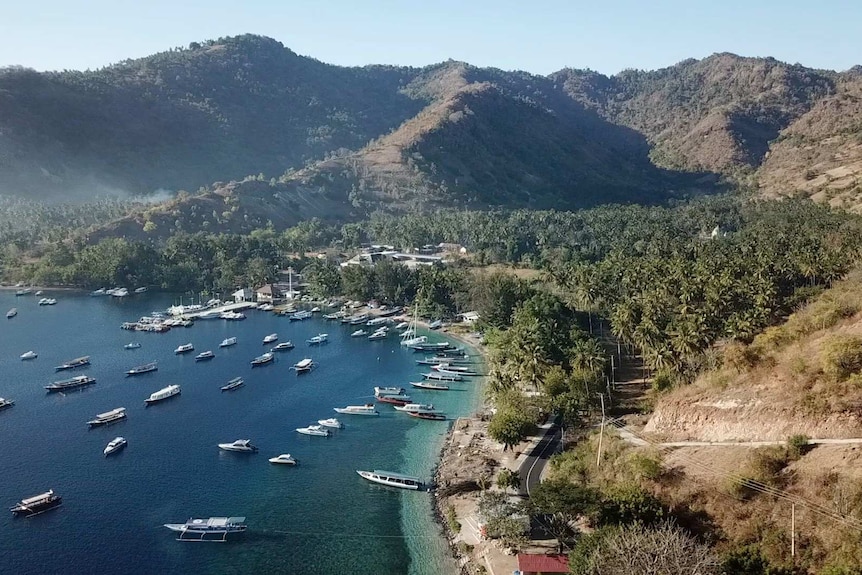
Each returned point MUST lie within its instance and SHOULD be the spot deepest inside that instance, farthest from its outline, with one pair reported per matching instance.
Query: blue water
(316, 517)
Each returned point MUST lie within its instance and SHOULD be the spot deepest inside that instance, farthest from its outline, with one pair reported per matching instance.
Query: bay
(316, 517)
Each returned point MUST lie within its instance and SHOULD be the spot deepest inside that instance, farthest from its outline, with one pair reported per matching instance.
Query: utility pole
(601, 433)
(793, 530)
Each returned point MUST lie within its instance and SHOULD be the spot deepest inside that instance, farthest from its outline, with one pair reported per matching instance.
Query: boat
(416, 407)
(299, 316)
(392, 479)
(283, 459)
(108, 417)
(68, 384)
(233, 384)
(356, 319)
(146, 368)
(440, 358)
(359, 333)
(141, 289)
(318, 430)
(232, 315)
(330, 422)
(29, 355)
(391, 311)
(241, 445)
(318, 339)
(402, 325)
(24, 291)
(283, 346)
(315, 309)
(367, 409)
(436, 324)
(228, 342)
(204, 355)
(119, 292)
(47, 301)
(390, 390)
(211, 529)
(377, 321)
(184, 348)
(424, 346)
(264, 359)
(132, 345)
(336, 315)
(377, 335)
(210, 314)
(447, 369)
(4, 403)
(98, 292)
(304, 365)
(270, 338)
(399, 399)
(163, 394)
(412, 341)
(115, 445)
(436, 416)
(430, 385)
(12, 313)
(437, 376)
(37, 504)
(72, 364)
(39, 292)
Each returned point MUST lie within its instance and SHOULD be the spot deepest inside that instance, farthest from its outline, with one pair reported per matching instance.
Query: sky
(539, 36)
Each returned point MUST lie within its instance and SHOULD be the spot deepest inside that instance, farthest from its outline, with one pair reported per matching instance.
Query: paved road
(531, 468)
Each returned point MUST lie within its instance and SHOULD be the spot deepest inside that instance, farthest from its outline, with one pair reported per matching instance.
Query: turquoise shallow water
(317, 517)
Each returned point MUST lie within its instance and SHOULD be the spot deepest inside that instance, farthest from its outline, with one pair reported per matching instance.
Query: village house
(241, 295)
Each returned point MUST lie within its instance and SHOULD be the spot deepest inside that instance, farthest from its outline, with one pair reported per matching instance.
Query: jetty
(238, 306)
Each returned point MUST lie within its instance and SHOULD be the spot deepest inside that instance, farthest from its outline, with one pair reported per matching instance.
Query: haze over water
(316, 517)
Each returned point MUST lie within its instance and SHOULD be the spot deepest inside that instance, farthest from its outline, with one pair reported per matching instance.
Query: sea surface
(316, 517)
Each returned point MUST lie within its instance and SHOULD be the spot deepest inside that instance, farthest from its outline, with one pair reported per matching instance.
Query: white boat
(299, 315)
(241, 445)
(141, 369)
(228, 342)
(39, 292)
(270, 338)
(119, 292)
(315, 309)
(436, 324)
(413, 340)
(336, 315)
(330, 422)
(430, 385)
(108, 417)
(396, 399)
(212, 529)
(98, 292)
(367, 409)
(37, 504)
(377, 321)
(318, 430)
(12, 313)
(283, 346)
(388, 390)
(359, 333)
(141, 289)
(318, 339)
(47, 301)
(211, 314)
(392, 479)
(377, 335)
(232, 315)
(132, 345)
(423, 407)
(185, 348)
(437, 376)
(402, 325)
(162, 394)
(264, 359)
(204, 355)
(4, 403)
(445, 369)
(283, 459)
(304, 365)
(232, 384)
(115, 445)
(29, 355)
(25, 291)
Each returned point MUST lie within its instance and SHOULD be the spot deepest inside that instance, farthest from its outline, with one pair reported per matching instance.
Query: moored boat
(436, 324)
(270, 338)
(228, 342)
(335, 315)
(416, 407)
(240, 445)
(317, 430)
(264, 359)
(304, 365)
(204, 355)
(318, 339)
(412, 341)
(132, 345)
(25, 291)
(359, 333)
(430, 385)
(392, 479)
(146, 368)
(71, 383)
(29, 355)
(377, 335)
(211, 529)
(163, 394)
(184, 348)
(4, 403)
(283, 346)
(299, 316)
(108, 417)
(141, 289)
(425, 346)
(330, 422)
(37, 504)
(448, 369)
(437, 376)
(72, 364)
(12, 313)
(399, 399)
(388, 390)
(433, 415)
(233, 384)
(115, 445)
(283, 459)
(47, 301)
(367, 409)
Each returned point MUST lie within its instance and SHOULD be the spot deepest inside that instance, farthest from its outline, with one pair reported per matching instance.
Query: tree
(509, 427)
(508, 479)
(559, 503)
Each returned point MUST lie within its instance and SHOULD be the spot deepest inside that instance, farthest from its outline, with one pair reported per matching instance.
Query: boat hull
(410, 484)
(33, 510)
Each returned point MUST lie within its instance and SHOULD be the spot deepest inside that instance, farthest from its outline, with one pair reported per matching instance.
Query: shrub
(842, 356)
(624, 504)
(452, 520)
(740, 357)
(797, 446)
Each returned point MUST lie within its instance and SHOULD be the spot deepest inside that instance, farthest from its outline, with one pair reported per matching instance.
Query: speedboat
(266, 307)
(184, 348)
(141, 289)
(211, 314)
(37, 504)
(318, 430)
(163, 394)
(367, 409)
(119, 292)
(4, 403)
(336, 315)
(283, 346)
(270, 338)
(263, 359)
(318, 339)
(430, 385)
(392, 479)
(402, 325)
(315, 309)
(204, 355)
(233, 384)
(299, 316)
(421, 410)
(47, 301)
(211, 529)
(29, 355)
(359, 333)
(133, 345)
(379, 334)
(436, 324)
(24, 291)
(39, 292)
(12, 313)
(108, 417)
(232, 315)
(283, 459)
(146, 368)
(115, 445)
(228, 342)
(241, 445)
(330, 422)
(72, 364)
(69, 384)
(98, 292)
(415, 407)
(376, 321)
(304, 365)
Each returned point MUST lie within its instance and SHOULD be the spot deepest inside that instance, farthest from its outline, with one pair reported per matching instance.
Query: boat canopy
(393, 475)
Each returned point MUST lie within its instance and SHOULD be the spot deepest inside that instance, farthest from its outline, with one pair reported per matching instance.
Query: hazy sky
(540, 36)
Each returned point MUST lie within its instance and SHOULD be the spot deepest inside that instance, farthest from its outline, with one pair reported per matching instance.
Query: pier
(239, 306)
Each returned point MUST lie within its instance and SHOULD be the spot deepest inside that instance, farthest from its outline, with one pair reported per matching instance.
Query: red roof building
(529, 564)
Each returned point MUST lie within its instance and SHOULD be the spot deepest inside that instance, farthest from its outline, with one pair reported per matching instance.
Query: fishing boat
(212, 529)
(422, 411)
(357, 319)
(228, 342)
(436, 324)
(270, 338)
(304, 365)
(359, 333)
(240, 445)
(146, 368)
(450, 359)
(412, 341)
(69, 384)
(264, 359)
(402, 325)
(283, 346)
(389, 390)
(430, 385)
(12, 313)
(317, 430)
(108, 417)
(435, 415)
(367, 409)
(399, 399)
(163, 394)
(232, 316)
(425, 346)
(392, 479)
(132, 345)
(37, 504)
(335, 315)
(115, 445)
(184, 348)
(204, 355)
(283, 459)
(72, 364)
(233, 384)
(4, 403)
(330, 422)
(437, 376)
(318, 339)
(416, 407)
(24, 291)
(29, 355)
(98, 292)
(455, 352)
(447, 369)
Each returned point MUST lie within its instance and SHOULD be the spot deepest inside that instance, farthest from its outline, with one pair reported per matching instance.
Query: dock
(239, 306)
